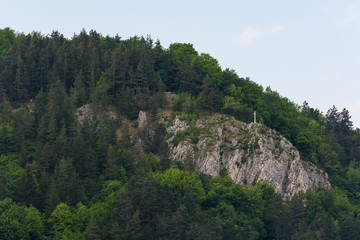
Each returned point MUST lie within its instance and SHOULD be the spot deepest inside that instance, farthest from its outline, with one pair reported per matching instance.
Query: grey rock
(249, 153)
(85, 112)
(142, 120)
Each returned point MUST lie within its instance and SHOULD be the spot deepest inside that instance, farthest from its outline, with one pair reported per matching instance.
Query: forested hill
(61, 178)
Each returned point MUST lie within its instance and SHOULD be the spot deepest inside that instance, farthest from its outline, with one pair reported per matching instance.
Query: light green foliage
(235, 203)
(153, 163)
(185, 103)
(81, 217)
(20, 222)
(182, 50)
(180, 182)
(62, 222)
(353, 182)
(236, 92)
(11, 172)
(210, 67)
(7, 37)
(237, 109)
(126, 160)
(332, 201)
(105, 202)
(254, 197)
(225, 211)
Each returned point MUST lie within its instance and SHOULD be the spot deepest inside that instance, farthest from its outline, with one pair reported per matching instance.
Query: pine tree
(350, 229)
(116, 231)
(5, 110)
(67, 182)
(209, 98)
(79, 94)
(20, 93)
(112, 171)
(27, 191)
(93, 231)
(126, 138)
(184, 76)
(1, 185)
(133, 227)
(139, 80)
(6, 81)
(52, 198)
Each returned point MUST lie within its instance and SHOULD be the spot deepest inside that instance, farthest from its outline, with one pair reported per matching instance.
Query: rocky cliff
(249, 153)
(219, 145)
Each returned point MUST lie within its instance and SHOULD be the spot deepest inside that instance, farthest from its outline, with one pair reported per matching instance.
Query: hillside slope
(249, 153)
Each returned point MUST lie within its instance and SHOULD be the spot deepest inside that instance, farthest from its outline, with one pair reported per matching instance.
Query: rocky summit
(249, 153)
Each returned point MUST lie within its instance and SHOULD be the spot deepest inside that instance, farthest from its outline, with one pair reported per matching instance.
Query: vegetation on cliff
(105, 178)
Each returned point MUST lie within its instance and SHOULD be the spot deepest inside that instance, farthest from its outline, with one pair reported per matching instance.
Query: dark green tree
(27, 192)
(93, 231)
(52, 198)
(67, 182)
(350, 229)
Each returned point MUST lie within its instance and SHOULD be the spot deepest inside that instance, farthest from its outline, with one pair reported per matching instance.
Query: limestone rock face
(142, 120)
(85, 112)
(249, 153)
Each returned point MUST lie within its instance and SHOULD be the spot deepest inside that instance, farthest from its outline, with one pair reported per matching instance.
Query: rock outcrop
(85, 112)
(142, 120)
(249, 153)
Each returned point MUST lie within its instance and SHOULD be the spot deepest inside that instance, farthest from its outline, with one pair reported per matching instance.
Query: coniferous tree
(5, 110)
(93, 231)
(112, 169)
(276, 217)
(20, 93)
(115, 232)
(350, 229)
(189, 76)
(52, 198)
(68, 183)
(6, 80)
(139, 80)
(126, 138)
(79, 90)
(48, 155)
(28, 187)
(209, 98)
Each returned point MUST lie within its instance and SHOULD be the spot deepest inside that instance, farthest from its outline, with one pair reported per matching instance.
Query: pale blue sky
(305, 50)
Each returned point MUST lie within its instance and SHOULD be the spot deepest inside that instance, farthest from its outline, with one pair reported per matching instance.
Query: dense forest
(61, 178)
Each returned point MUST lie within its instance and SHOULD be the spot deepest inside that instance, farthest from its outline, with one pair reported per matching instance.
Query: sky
(305, 50)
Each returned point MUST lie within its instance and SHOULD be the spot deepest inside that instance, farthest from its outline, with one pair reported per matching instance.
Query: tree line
(63, 178)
